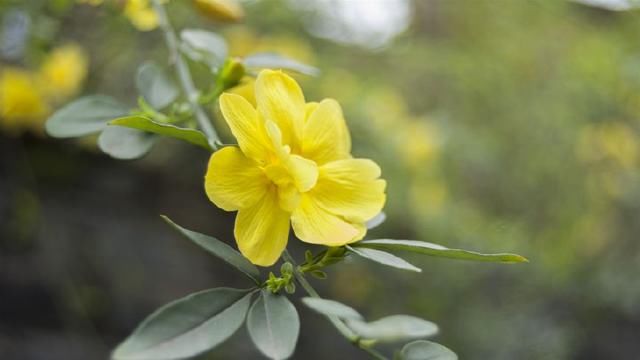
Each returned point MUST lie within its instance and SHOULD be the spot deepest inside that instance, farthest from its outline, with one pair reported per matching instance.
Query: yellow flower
(63, 71)
(141, 14)
(22, 105)
(220, 10)
(292, 165)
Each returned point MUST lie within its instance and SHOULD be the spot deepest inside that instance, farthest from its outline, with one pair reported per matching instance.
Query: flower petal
(233, 181)
(280, 99)
(303, 173)
(315, 225)
(350, 188)
(262, 230)
(246, 126)
(326, 136)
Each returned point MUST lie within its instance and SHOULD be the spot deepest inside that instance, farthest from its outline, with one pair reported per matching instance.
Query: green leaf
(383, 258)
(220, 250)
(155, 86)
(276, 61)
(376, 220)
(426, 248)
(124, 143)
(426, 350)
(394, 327)
(204, 46)
(188, 326)
(331, 308)
(143, 123)
(274, 325)
(84, 116)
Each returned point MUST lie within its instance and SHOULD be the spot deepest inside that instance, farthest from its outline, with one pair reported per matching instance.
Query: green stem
(185, 76)
(342, 328)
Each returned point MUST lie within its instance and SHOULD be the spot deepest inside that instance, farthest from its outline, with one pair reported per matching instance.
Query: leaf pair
(201, 321)
(374, 250)
(122, 136)
(390, 328)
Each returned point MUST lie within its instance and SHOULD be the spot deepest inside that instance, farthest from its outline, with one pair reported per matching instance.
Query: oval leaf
(155, 86)
(188, 326)
(220, 250)
(383, 258)
(331, 308)
(85, 116)
(277, 61)
(274, 325)
(204, 46)
(426, 350)
(395, 327)
(426, 248)
(143, 123)
(124, 143)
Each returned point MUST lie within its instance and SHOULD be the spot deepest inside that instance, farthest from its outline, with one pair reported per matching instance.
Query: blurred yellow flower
(419, 142)
(292, 165)
(22, 104)
(141, 14)
(220, 10)
(64, 71)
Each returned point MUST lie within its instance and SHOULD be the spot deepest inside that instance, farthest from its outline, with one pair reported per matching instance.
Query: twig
(342, 328)
(185, 76)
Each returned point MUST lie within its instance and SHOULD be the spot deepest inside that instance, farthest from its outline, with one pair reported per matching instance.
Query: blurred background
(500, 125)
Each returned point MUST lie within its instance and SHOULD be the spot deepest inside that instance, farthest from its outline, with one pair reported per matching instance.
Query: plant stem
(342, 328)
(184, 75)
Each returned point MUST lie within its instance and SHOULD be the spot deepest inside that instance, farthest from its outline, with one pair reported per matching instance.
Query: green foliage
(383, 258)
(422, 247)
(426, 350)
(155, 86)
(143, 123)
(188, 326)
(204, 46)
(273, 325)
(331, 308)
(85, 116)
(220, 250)
(124, 143)
(275, 61)
(393, 328)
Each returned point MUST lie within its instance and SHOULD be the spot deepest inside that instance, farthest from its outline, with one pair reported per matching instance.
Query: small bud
(319, 274)
(220, 10)
(308, 256)
(286, 269)
(290, 288)
(231, 73)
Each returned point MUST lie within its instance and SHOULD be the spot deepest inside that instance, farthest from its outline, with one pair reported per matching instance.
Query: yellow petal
(233, 181)
(262, 230)
(303, 173)
(246, 126)
(280, 100)
(315, 225)
(350, 188)
(326, 137)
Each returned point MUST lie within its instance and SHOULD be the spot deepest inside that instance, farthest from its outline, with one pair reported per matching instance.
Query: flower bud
(231, 73)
